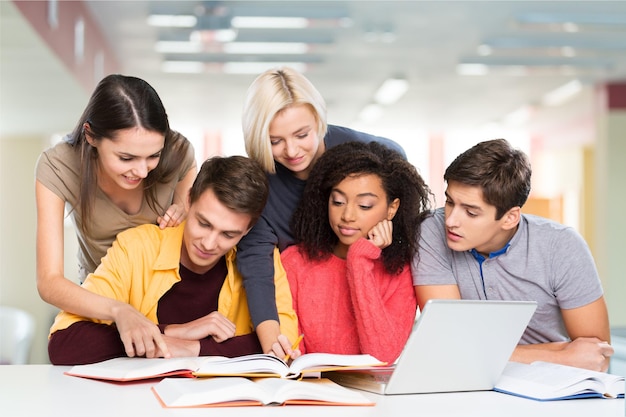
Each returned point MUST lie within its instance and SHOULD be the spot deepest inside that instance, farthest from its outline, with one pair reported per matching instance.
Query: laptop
(455, 345)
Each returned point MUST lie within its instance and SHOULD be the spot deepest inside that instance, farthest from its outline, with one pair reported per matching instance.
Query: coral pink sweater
(351, 306)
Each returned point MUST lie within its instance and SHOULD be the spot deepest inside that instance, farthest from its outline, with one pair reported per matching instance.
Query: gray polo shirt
(545, 261)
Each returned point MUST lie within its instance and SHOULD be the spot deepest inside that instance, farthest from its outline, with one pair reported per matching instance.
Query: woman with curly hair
(356, 228)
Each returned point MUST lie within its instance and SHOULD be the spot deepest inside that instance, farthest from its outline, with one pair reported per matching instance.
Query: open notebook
(455, 345)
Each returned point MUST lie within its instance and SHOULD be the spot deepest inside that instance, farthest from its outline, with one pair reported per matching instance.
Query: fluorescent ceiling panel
(174, 21)
(608, 19)
(391, 91)
(186, 67)
(265, 48)
(562, 94)
(262, 22)
(175, 47)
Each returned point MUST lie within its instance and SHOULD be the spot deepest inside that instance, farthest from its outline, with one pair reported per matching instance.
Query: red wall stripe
(61, 38)
(616, 96)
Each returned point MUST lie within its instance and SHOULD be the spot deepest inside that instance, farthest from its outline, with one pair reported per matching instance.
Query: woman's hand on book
(284, 349)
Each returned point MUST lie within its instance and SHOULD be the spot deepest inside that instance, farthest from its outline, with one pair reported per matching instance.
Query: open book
(239, 391)
(546, 381)
(131, 369)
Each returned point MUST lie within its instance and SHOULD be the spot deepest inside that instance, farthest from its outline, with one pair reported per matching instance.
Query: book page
(317, 362)
(289, 391)
(544, 380)
(269, 365)
(238, 391)
(183, 392)
(129, 369)
(248, 365)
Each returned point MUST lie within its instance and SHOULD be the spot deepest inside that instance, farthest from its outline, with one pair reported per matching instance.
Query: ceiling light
(177, 47)
(607, 19)
(186, 67)
(562, 94)
(570, 27)
(259, 67)
(174, 21)
(391, 91)
(266, 48)
(260, 22)
(484, 50)
(519, 116)
(371, 113)
(472, 69)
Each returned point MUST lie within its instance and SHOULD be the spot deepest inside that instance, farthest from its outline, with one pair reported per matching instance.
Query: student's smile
(133, 181)
(204, 254)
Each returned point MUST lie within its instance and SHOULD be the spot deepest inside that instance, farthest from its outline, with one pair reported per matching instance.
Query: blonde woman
(285, 130)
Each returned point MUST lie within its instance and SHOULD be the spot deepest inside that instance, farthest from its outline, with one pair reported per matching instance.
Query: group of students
(321, 230)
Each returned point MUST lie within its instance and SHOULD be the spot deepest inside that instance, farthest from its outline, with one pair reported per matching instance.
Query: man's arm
(212, 334)
(85, 342)
(588, 328)
(427, 292)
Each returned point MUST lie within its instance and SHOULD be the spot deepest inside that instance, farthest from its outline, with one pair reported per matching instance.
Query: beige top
(58, 169)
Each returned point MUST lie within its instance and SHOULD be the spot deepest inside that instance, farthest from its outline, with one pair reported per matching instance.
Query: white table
(43, 390)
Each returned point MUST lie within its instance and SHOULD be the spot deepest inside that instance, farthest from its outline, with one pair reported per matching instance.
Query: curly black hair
(400, 179)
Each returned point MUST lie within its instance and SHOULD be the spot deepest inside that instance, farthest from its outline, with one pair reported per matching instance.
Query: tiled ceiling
(527, 49)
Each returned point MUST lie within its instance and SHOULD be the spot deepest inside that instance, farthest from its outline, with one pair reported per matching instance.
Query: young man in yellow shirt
(180, 286)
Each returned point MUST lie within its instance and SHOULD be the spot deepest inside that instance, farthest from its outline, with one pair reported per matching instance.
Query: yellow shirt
(143, 264)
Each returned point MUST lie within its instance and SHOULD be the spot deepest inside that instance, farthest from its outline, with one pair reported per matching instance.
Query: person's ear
(393, 209)
(511, 218)
(188, 201)
(88, 134)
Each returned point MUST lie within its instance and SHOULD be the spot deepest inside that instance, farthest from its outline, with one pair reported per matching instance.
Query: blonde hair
(269, 94)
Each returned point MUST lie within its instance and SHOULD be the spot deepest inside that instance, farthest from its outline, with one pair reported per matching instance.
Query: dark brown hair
(122, 102)
(237, 181)
(502, 172)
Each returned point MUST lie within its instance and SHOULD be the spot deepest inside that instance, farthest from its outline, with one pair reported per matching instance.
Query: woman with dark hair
(121, 167)
(356, 228)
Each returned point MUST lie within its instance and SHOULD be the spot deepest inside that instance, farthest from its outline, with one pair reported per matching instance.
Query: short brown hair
(238, 182)
(502, 172)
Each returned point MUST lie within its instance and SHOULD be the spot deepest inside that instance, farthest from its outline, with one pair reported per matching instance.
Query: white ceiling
(430, 39)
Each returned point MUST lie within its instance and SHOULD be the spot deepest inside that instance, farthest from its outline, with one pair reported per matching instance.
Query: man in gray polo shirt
(481, 246)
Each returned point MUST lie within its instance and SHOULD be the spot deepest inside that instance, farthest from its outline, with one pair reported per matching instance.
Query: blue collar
(480, 258)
